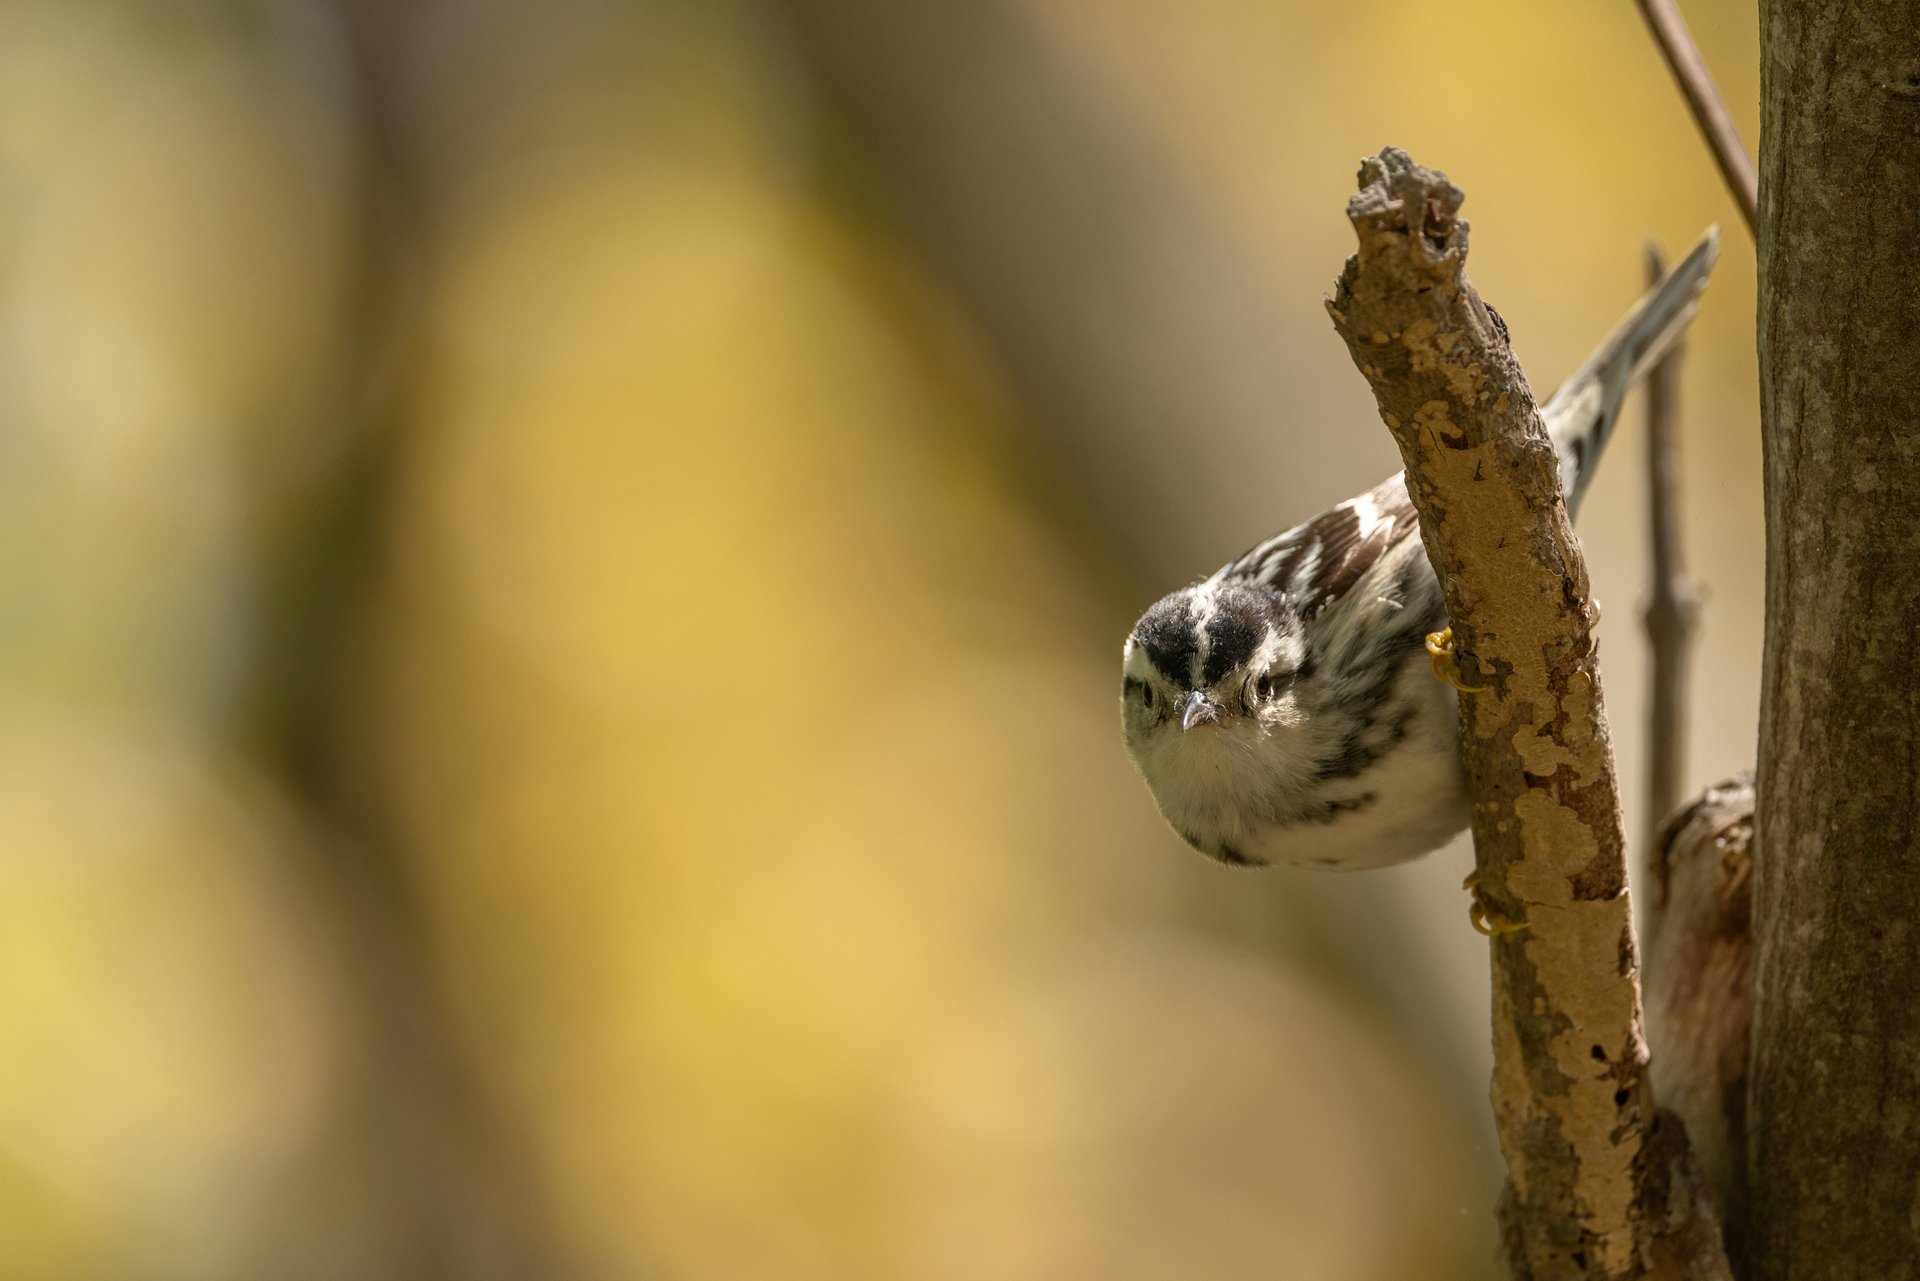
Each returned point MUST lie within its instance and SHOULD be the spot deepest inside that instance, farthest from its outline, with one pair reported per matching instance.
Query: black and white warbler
(1284, 710)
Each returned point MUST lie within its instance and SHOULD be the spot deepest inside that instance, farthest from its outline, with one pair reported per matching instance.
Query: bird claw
(1446, 664)
(1490, 923)
(1486, 920)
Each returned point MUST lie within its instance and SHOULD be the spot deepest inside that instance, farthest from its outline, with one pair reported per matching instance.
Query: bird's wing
(1317, 563)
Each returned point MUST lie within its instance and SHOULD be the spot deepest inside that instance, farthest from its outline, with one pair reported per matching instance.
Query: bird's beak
(1198, 710)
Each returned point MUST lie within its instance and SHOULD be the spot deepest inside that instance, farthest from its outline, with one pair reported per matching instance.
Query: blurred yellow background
(562, 578)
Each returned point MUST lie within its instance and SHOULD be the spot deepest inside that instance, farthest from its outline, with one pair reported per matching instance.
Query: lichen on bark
(1591, 1195)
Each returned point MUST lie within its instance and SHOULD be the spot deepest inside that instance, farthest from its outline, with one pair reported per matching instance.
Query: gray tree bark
(1834, 1096)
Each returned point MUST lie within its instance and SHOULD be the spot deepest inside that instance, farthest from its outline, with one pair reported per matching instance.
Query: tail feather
(1581, 414)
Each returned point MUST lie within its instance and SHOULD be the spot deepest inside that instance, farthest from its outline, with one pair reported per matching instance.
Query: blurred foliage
(560, 570)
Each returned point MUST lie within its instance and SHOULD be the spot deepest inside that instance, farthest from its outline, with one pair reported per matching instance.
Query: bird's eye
(1143, 689)
(1267, 685)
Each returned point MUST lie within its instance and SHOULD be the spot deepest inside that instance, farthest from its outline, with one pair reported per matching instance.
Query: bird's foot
(1487, 920)
(1446, 664)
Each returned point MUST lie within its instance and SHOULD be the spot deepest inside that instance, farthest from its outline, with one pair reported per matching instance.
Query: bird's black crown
(1222, 622)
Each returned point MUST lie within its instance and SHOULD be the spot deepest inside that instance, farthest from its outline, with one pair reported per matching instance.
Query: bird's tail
(1582, 412)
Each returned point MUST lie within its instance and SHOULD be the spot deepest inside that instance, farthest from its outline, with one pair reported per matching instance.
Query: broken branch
(1591, 1194)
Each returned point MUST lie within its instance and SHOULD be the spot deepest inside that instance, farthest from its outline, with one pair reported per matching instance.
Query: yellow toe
(1491, 923)
(1446, 664)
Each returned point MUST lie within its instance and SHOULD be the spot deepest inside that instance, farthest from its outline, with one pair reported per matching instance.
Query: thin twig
(1673, 605)
(1709, 109)
(1599, 1191)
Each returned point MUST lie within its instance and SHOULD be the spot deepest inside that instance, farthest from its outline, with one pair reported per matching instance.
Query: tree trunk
(1834, 1103)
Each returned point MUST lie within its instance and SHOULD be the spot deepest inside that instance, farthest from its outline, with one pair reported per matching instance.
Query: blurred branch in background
(1672, 612)
(1153, 362)
(449, 1189)
(1123, 314)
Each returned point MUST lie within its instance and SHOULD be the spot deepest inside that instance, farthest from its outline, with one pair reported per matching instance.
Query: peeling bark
(1699, 983)
(1592, 1195)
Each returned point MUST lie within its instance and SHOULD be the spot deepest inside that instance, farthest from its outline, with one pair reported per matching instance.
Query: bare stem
(1672, 609)
(1709, 109)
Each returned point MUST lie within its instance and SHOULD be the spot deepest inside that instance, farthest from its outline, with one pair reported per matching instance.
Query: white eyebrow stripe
(1206, 602)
